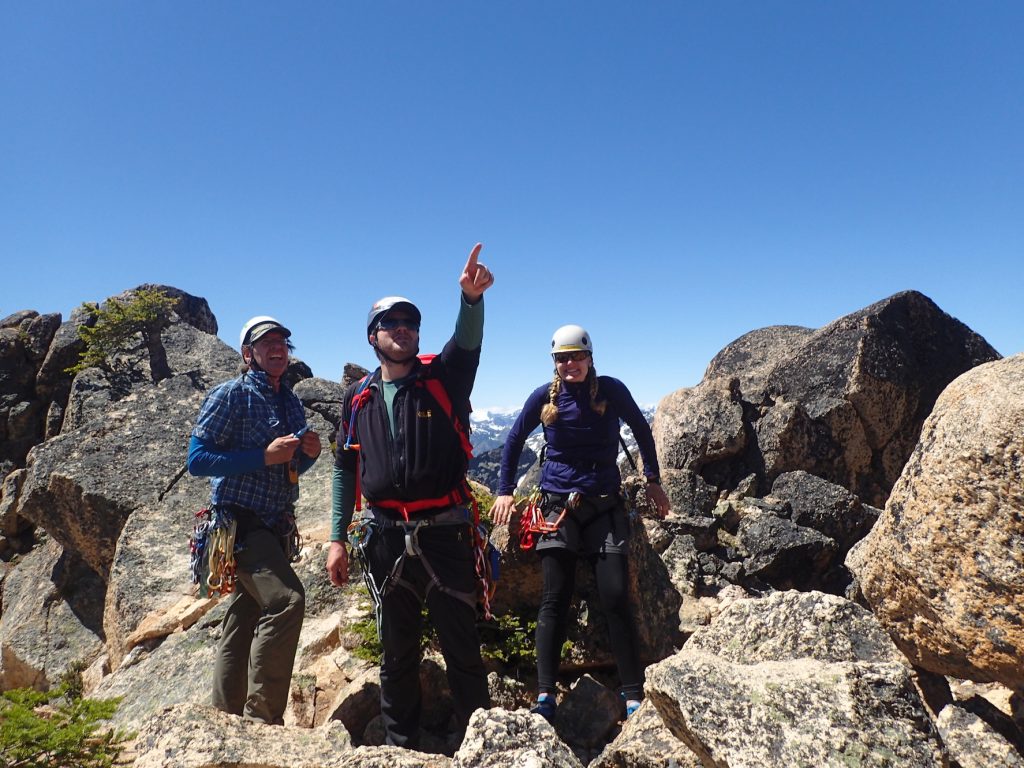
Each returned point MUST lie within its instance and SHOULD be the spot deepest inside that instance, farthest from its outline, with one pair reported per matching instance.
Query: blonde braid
(597, 407)
(549, 412)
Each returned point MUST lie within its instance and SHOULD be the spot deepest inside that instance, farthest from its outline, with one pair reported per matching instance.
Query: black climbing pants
(449, 551)
(559, 567)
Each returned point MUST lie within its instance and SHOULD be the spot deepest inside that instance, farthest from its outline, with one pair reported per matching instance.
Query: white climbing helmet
(383, 306)
(571, 338)
(257, 327)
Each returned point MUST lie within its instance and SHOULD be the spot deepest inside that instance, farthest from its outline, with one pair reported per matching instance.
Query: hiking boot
(545, 707)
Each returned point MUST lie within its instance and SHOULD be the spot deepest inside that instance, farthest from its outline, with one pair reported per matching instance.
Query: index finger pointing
(471, 262)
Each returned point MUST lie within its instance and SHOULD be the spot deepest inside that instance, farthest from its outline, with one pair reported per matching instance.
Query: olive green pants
(260, 632)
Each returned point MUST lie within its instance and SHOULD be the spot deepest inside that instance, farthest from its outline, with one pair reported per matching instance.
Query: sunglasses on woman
(576, 357)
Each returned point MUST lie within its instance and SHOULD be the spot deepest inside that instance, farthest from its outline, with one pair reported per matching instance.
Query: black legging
(559, 567)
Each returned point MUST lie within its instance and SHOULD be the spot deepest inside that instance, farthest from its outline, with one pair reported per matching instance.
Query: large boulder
(123, 439)
(496, 738)
(52, 605)
(794, 679)
(825, 507)
(324, 397)
(645, 742)
(845, 402)
(943, 568)
(754, 355)
(973, 743)
(195, 736)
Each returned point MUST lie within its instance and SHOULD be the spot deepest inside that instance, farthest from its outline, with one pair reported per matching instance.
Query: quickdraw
(533, 522)
(212, 553)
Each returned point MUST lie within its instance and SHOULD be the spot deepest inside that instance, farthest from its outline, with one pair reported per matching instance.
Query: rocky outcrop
(794, 679)
(943, 568)
(845, 402)
(52, 604)
(83, 484)
(25, 338)
(752, 357)
(325, 398)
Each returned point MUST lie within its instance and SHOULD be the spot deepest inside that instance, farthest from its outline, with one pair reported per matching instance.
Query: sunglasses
(392, 323)
(576, 357)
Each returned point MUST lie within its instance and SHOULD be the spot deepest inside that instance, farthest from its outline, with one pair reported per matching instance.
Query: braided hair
(549, 413)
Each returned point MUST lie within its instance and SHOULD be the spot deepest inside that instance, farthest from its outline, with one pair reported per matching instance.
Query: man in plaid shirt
(252, 440)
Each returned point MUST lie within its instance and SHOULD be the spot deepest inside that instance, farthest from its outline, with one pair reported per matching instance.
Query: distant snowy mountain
(490, 428)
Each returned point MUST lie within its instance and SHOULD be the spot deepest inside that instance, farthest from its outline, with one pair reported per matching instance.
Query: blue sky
(670, 175)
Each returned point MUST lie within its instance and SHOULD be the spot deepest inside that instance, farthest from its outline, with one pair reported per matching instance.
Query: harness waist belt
(407, 508)
(442, 516)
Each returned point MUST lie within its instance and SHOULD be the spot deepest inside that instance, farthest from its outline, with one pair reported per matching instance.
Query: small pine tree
(56, 729)
(147, 312)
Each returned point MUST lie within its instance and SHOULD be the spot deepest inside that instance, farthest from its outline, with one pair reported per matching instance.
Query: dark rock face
(828, 508)
(752, 357)
(845, 402)
(325, 397)
(122, 439)
(782, 553)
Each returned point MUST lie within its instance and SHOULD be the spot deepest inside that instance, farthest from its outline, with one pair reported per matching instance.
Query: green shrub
(369, 648)
(509, 639)
(55, 729)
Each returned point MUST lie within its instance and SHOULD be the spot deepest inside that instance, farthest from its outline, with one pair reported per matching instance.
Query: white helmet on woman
(571, 338)
(259, 326)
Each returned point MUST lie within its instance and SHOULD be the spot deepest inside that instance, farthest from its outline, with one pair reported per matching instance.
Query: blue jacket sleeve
(525, 423)
(206, 460)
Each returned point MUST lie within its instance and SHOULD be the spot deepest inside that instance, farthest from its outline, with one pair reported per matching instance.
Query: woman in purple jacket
(580, 412)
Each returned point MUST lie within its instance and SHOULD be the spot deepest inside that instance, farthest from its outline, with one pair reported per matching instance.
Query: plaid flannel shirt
(243, 414)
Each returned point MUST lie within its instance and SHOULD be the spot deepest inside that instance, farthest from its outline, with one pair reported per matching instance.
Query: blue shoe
(632, 705)
(545, 707)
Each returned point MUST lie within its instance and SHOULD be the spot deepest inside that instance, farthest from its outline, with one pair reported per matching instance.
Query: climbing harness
(212, 552)
(533, 522)
(362, 531)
